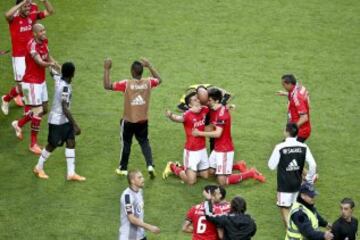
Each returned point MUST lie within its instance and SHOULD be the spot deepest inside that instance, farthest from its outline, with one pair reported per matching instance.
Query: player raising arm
(195, 157)
(21, 18)
(137, 91)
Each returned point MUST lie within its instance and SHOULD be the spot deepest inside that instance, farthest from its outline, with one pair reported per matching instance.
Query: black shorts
(58, 134)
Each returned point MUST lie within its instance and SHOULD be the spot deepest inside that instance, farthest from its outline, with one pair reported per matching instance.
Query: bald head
(203, 95)
(37, 27)
(39, 32)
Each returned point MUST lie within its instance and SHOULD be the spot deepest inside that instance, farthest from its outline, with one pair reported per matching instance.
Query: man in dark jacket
(304, 220)
(237, 225)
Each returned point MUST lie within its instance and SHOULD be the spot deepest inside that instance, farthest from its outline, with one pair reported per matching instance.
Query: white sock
(70, 161)
(43, 157)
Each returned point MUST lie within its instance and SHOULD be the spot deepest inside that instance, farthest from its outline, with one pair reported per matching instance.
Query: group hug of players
(206, 115)
(30, 59)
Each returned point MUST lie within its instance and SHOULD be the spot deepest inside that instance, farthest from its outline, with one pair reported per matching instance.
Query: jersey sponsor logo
(138, 87)
(138, 101)
(292, 150)
(293, 166)
(26, 28)
(197, 124)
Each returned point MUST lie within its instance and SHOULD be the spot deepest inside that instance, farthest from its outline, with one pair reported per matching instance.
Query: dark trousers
(127, 131)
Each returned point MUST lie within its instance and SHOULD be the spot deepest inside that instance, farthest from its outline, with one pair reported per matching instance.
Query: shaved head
(37, 27)
(39, 32)
(203, 95)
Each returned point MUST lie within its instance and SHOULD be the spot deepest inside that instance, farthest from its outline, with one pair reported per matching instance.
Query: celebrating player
(137, 93)
(196, 222)
(37, 59)
(298, 107)
(21, 18)
(202, 91)
(222, 157)
(62, 125)
(195, 156)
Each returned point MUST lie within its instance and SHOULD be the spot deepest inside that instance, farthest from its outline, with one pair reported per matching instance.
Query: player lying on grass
(62, 125)
(222, 157)
(196, 222)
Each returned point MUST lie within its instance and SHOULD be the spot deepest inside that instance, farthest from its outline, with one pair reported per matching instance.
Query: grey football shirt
(62, 92)
(131, 202)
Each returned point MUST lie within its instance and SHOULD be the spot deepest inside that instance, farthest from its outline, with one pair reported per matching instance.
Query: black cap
(308, 189)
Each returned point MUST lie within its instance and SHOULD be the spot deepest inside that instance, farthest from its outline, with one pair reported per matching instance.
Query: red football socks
(35, 128)
(236, 178)
(26, 118)
(175, 169)
(13, 93)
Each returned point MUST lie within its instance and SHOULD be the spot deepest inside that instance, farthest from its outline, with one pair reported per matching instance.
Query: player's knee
(37, 111)
(222, 181)
(70, 143)
(191, 182)
(45, 111)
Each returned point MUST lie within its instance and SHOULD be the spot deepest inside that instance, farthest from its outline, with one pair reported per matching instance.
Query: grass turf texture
(242, 46)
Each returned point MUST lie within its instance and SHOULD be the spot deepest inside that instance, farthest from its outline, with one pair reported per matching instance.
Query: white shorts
(34, 93)
(286, 199)
(222, 162)
(196, 160)
(19, 67)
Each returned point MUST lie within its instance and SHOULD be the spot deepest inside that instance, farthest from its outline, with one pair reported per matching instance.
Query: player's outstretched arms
(49, 8)
(69, 116)
(106, 80)
(173, 117)
(136, 221)
(281, 93)
(9, 15)
(146, 63)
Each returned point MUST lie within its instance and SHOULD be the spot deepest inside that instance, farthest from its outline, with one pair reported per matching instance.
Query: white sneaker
(151, 172)
(4, 106)
(18, 130)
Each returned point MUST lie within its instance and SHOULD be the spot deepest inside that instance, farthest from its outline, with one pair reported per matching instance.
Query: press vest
(136, 100)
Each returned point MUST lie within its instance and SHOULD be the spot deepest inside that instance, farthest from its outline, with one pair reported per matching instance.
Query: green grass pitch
(242, 46)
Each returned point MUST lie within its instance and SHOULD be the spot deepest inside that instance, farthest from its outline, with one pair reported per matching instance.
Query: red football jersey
(35, 73)
(222, 118)
(298, 105)
(195, 120)
(21, 32)
(203, 229)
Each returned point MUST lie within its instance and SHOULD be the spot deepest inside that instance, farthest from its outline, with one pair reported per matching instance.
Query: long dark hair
(238, 205)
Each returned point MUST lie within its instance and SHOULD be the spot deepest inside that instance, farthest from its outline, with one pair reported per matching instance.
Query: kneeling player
(62, 126)
(195, 155)
(222, 157)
